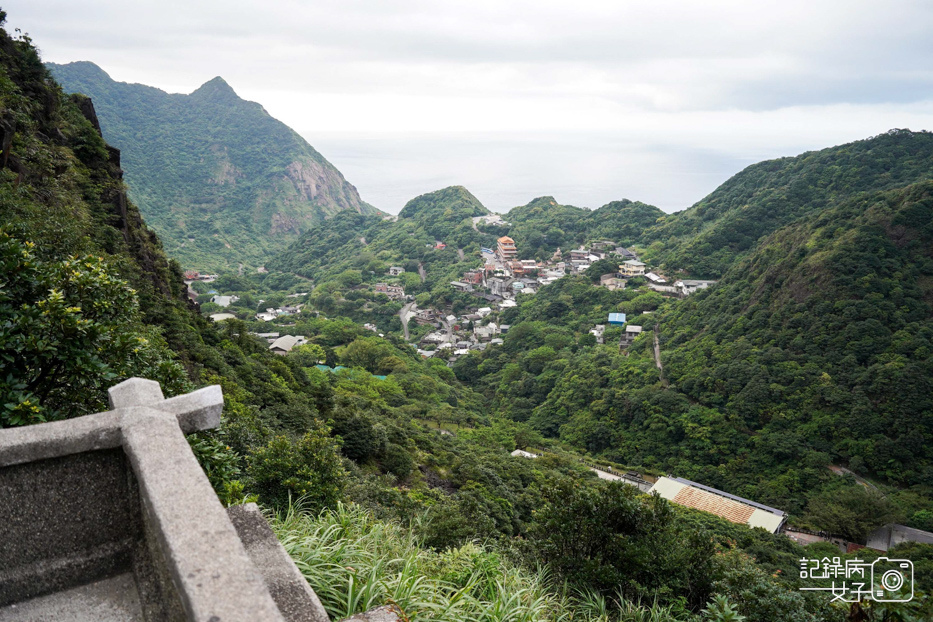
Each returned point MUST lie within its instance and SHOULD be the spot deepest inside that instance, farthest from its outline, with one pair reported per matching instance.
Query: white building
(687, 287)
(224, 301)
(521, 453)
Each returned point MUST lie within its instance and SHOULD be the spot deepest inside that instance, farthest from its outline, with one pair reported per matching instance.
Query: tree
(308, 355)
(373, 354)
(68, 331)
(611, 538)
(853, 511)
(307, 468)
(601, 267)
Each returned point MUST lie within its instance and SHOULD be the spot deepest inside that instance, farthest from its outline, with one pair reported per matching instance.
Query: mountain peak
(85, 68)
(217, 91)
(459, 199)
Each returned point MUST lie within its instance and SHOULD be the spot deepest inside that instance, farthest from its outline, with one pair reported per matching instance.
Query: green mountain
(821, 340)
(217, 177)
(814, 349)
(355, 241)
(707, 238)
(542, 226)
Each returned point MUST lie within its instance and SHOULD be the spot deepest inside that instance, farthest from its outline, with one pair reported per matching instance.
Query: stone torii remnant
(109, 516)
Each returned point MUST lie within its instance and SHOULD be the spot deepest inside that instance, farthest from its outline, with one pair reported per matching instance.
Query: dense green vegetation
(352, 252)
(814, 349)
(824, 334)
(220, 180)
(706, 239)
(543, 226)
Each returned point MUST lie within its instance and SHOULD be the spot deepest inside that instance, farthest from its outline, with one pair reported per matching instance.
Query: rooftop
(731, 507)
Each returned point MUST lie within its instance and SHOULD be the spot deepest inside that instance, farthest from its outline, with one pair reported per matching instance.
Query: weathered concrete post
(111, 512)
(200, 546)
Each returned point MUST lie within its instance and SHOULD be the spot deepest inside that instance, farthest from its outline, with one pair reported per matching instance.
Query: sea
(505, 170)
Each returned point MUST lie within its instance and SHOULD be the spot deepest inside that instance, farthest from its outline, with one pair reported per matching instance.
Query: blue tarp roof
(617, 318)
(334, 370)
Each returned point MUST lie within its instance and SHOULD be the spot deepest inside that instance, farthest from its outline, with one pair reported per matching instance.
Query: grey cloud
(842, 51)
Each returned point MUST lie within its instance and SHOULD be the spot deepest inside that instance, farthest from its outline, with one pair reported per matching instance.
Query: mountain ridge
(220, 179)
(705, 239)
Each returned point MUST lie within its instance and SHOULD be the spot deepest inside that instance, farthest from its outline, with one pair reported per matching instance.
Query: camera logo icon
(892, 580)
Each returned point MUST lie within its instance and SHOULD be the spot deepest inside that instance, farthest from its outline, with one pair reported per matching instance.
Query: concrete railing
(121, 493)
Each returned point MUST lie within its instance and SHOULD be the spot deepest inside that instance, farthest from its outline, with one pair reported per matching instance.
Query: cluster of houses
(504, 276)
(629, 331)
(194, 275)
(457, 336)
(394, 292)
(274, 313)
(631, 268)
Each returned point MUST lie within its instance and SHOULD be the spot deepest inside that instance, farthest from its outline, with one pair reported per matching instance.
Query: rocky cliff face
(218, 178)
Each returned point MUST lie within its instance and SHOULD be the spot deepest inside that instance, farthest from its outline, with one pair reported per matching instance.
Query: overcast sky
(733, 80)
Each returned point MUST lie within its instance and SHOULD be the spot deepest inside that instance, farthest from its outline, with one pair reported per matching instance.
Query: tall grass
(355, 562)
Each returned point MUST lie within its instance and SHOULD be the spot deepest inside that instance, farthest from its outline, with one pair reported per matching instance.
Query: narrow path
(605, 475)
(600, 473)
(404, 315)
(841, 470)
(657, 359)
(449, 328)
(421, 272)
(460, 253)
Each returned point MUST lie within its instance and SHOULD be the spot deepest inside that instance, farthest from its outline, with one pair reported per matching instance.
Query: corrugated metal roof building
(736, 509)
(617, 319)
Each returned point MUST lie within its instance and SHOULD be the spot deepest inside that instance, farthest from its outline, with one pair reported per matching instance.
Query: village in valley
(504, 280)
(500, 283)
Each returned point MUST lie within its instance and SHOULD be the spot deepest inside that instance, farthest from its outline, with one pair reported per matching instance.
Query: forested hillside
(813, 350)
(707, 238)
(822, 338)
(350, 249)
(217, 177)
(542, 226)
